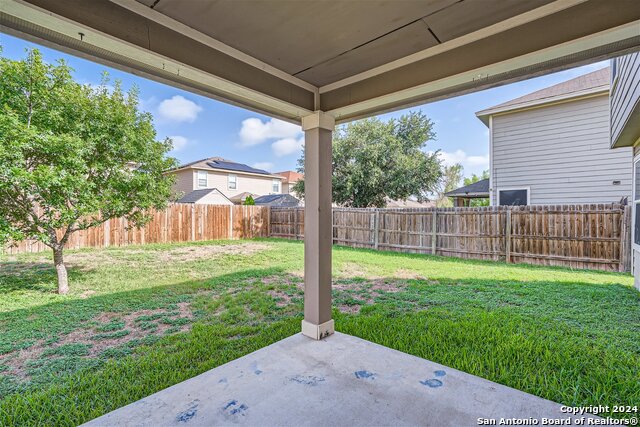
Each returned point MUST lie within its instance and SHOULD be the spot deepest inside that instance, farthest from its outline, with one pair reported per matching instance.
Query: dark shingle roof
(196, 195)
(238, 167)
(225, 164)
(479, 188)
(284, 200)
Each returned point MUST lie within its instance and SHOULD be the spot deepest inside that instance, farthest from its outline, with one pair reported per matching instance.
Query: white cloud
(286, 146)
(179, 109)
(254, 131)
(263, 165)
(468, 162)
(179, 142)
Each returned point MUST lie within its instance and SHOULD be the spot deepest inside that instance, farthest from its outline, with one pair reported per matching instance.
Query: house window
(232, 182)
(275, 186)
(202, 179)
(513, 197)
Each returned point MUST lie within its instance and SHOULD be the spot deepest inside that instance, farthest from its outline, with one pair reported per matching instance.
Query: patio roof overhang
(349, 59)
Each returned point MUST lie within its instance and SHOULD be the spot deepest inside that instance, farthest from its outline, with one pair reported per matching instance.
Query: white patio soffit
(349, 58)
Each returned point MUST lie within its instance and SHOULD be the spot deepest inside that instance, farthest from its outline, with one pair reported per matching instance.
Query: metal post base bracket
(318, 332)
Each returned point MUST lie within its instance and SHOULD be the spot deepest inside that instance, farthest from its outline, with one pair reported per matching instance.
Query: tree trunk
(61, 269)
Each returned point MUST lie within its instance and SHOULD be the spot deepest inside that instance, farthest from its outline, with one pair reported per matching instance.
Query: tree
(248, 201)
(475, 178)
(450, 180)
(73, 156)
(374, 160)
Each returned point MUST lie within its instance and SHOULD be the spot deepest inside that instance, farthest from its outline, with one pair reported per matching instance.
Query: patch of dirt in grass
(166, 322)
(360, 293)
(351, 269)
(180, 254)
(408, 274)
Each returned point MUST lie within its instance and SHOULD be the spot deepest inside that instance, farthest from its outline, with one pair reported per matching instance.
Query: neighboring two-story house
(625, 133)
(290, 178)
(229, 178)
(552, 146)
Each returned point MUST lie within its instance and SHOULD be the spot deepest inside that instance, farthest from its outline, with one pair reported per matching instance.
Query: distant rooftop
(476, 189)
(283, 200)
(291, 176)
(591, 81)
(196, 195)
(220, 163)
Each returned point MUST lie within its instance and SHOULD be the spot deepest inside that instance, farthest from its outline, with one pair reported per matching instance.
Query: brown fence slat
(595, 236)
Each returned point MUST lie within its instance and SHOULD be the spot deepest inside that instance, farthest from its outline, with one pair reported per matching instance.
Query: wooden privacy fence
(578, 236)
(177, 223)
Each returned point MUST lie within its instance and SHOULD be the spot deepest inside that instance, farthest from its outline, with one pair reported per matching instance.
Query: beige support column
(318, 232)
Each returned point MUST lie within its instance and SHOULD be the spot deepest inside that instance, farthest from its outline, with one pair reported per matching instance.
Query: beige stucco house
(552, 146)
(229, 178)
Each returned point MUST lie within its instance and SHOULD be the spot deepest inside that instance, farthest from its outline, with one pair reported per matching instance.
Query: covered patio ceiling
(349, 58)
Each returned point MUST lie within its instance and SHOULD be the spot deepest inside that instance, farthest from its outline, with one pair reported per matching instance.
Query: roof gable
(577, 86)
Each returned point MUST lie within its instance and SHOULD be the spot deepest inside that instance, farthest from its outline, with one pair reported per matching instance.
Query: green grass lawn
(142, 318)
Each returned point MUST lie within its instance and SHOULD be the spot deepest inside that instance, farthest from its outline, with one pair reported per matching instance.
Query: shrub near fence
(177, 223)
(577, 236)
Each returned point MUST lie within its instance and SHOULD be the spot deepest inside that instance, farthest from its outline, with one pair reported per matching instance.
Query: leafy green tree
(73, 156)
(475, 178)
(248, 201)
(450, 180)
(374, 160)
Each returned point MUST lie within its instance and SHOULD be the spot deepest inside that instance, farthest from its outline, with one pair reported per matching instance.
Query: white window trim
(498, 190)
(634, 203)
(235, 181)
(206, 178)
(279, 183)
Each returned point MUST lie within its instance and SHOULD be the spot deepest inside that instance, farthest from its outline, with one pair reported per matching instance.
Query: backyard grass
(142, 318)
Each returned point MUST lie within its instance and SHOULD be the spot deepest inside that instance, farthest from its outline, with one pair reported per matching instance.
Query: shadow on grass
(34, 276)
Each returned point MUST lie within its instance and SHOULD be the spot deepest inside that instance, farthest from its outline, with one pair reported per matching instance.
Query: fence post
(434, 231)
(376, 229)
(625, 239)
(231, 222)
(295, 224)
(507, 240)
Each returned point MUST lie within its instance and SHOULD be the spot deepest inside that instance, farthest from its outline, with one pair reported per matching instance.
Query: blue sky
(202, 127)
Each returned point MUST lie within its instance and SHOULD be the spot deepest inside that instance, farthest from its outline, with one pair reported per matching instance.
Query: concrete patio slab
(340, 380)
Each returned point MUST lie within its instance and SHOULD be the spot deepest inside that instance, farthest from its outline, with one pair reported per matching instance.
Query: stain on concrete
(222, 381)
(234, 408)
(365, 375)
(257, 372)
(309, 380)
(188, 413)
(439, 373)
(433, 383)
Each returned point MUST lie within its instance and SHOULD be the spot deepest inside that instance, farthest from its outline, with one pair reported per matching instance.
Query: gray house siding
(625, 96)
(561, 153)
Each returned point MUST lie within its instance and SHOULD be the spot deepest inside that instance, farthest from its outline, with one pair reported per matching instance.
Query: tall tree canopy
(450, 180)
(374, 160)
(73, 156)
